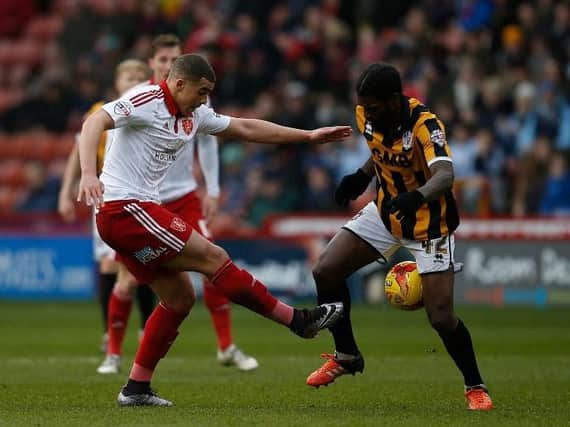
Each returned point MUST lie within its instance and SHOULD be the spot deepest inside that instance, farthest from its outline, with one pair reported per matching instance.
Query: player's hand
(66, 209)
(330, 134)
(351, 186)
(209, 208)
(406, 204)
(91, 191)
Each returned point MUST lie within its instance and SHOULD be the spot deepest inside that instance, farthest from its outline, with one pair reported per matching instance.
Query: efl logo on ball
(403, 286)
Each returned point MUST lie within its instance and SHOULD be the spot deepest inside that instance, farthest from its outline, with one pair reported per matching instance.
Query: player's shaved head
(192, 67)
(379, 80)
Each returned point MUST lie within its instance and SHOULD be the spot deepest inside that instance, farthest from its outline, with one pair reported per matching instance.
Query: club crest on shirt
(407, 140)
(187, 126)
(122, 109)
(438, 137)
(178, 224)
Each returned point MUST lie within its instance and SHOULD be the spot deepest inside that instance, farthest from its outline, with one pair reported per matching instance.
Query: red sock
(118, 318)
(160, 332)
(244, 289)
(219, 307)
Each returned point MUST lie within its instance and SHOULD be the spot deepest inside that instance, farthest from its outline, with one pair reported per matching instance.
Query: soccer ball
(403, 286)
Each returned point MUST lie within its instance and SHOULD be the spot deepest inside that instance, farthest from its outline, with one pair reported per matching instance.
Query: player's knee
(323, 272)
(183, 303)
(124, 288)
(216, 255)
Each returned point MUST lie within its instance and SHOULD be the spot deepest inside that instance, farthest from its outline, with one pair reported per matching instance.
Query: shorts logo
(122, 109)
(147, 254)
(187, 125)
(178, 224)
(438, 137)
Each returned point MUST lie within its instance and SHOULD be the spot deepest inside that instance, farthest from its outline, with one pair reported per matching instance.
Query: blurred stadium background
(496, 72)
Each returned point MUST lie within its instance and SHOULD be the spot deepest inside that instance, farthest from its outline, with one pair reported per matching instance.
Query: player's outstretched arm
(262, 131)
(90, 188)
(66, 199)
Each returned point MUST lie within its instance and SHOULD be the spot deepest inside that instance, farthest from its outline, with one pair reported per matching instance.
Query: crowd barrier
(506, 261)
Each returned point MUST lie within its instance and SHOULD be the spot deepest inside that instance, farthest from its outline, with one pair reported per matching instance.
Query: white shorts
(100, 248)
(431, 255)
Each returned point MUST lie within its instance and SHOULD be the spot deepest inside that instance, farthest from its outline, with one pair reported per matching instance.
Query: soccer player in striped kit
(414, 208)
(152, 126)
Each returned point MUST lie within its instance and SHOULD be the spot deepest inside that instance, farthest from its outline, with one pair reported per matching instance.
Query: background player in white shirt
(177, 193)
(155, 244)
(128, 74)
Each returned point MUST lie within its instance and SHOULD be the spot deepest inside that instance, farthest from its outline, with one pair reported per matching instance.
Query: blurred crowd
(495, 71)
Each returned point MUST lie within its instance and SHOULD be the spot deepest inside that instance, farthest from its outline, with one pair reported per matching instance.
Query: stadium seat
(13, 174)
(26, 51)
(44, 28)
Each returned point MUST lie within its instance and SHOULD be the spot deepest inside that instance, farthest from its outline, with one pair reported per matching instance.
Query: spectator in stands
(556, 194)
(49, 110)
(43, 189)
(531, 177)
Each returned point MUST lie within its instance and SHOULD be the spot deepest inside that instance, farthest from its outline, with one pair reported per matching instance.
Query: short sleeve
(124, 113)
(211, 122)
(431, 137)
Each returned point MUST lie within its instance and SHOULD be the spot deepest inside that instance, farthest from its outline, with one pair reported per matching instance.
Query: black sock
(460, 348)
(342, 331)
(146, 300)
(136, 387)
(106, 283)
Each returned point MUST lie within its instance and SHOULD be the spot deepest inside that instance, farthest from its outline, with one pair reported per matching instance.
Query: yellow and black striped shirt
(402, 165)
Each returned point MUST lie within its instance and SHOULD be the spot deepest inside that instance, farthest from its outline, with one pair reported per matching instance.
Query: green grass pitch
(48, 357)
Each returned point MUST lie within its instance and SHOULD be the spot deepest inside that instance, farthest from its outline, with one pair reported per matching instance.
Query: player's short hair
(192, 67)
(133, 65)
(165, 40)
(380, 80)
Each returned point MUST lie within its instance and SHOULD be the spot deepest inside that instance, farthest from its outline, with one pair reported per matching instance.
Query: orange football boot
(478, 398)
(333, 368)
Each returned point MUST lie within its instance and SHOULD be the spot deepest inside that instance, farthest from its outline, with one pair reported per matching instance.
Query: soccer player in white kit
(156, 245)
(177, 193)
(128, 74)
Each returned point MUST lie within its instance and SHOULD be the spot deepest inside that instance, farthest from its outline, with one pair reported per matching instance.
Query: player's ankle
(136, 387)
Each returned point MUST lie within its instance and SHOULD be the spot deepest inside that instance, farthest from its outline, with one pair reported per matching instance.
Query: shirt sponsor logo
(438, 137)
(122, 109)
(187, 125)
(165, 156)
(178, 224)
(394, 159)
(147, 254)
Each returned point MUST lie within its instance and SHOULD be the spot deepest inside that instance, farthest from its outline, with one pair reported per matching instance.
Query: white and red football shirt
(150, 135)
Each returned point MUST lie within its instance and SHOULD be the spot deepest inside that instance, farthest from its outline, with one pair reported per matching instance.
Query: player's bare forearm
(265, 132)
(71, 174)
(440, 182)
(89, 139)
(262, 131)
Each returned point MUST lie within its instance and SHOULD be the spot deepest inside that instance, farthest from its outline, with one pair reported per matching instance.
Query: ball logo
(187, 126)
(178, 224)
(122, 109)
